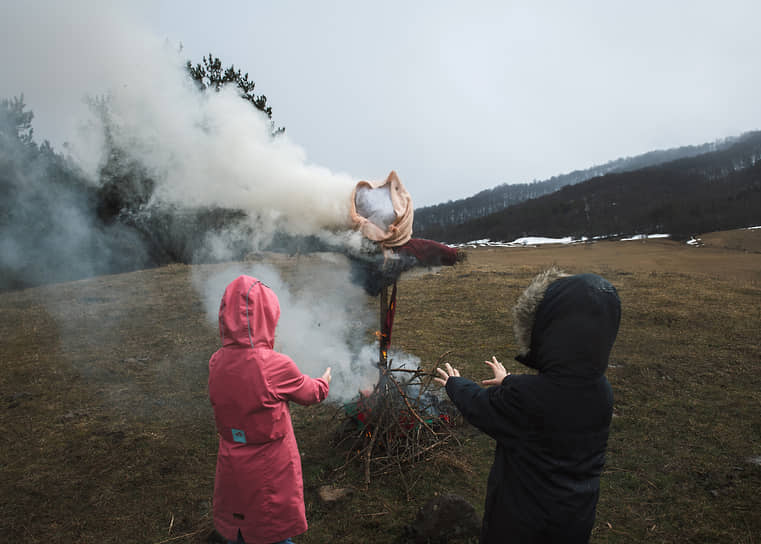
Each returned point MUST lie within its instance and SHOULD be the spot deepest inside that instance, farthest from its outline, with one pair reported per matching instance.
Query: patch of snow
(540, 240)
(532, 241)
(526, 241)
(645, 237)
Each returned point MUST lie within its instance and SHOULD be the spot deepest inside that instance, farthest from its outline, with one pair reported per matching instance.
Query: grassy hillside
(108, 433)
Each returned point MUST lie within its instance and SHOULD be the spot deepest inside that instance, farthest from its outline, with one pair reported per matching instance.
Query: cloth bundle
(383, 212)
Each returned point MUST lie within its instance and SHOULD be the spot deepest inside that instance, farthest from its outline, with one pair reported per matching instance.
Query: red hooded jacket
(258, 487)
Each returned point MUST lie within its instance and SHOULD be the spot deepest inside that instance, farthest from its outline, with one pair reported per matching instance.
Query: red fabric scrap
(429, 253)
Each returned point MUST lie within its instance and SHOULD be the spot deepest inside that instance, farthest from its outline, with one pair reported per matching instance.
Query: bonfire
(401, 420)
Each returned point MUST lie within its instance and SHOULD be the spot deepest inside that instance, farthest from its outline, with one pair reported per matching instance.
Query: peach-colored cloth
(400, 230)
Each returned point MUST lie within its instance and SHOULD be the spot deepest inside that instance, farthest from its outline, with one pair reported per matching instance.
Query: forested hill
(436, 218)
(716, 190)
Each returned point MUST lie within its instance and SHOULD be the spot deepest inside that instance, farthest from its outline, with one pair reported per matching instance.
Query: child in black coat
(551, 427)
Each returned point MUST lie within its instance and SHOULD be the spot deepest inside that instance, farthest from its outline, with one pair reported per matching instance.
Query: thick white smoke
(325, 319)
(215, 149)
(203, 149)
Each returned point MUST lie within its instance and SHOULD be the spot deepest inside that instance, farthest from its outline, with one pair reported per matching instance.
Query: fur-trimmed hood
(566, 325)
(525, 308)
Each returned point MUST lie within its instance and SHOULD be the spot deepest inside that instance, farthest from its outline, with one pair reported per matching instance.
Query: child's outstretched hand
(499, 372)
(446, 374)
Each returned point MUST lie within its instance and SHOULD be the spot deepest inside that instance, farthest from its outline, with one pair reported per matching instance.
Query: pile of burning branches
(400, 422)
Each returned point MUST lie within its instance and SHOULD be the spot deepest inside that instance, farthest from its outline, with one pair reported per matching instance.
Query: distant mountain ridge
(705, 188)
(438, 217)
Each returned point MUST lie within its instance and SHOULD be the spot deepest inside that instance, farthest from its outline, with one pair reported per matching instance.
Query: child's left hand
(499, 372)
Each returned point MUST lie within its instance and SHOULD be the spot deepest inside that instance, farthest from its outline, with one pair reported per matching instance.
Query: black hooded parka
(551, 428)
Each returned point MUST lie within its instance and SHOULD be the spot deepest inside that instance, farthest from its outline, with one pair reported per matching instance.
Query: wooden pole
(383, 354)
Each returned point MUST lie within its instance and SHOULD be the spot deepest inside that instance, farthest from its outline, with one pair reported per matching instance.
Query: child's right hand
(326, 376)
(446, 374)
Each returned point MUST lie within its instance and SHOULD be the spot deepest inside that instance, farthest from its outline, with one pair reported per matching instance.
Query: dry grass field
(108, 435)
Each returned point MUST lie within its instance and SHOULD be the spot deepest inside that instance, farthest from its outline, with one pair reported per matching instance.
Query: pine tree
(14, 121)
(211, 75)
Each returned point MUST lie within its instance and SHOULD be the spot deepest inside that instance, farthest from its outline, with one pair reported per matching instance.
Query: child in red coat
(258, 489)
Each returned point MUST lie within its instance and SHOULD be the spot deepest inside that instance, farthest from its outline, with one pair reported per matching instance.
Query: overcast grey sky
(456, 97)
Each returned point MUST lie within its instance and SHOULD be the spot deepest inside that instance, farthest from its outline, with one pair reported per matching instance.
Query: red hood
(248, 314)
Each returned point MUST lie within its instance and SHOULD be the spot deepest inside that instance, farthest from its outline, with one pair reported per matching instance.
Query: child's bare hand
(499, 372)
(446, 374)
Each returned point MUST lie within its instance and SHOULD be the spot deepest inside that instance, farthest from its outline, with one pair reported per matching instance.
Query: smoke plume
(325, 319)
(202, 150)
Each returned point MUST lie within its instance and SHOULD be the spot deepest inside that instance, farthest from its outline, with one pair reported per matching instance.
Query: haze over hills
(680, 191)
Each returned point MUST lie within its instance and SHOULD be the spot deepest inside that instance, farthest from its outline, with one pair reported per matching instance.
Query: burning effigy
(400, 420)
(383, 212)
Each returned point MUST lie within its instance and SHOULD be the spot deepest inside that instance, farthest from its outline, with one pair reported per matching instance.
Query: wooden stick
(411, 371)
(369, 455)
